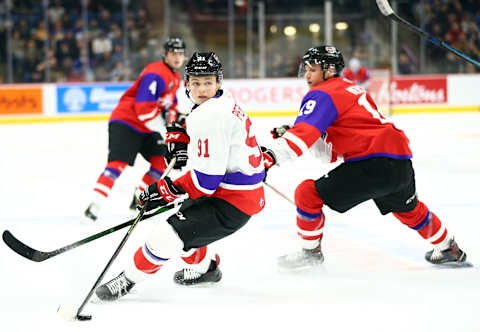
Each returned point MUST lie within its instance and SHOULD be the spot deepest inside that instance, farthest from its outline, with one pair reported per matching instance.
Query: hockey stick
(278, 192)
(117, 251)
(387, 10)
(39, 256)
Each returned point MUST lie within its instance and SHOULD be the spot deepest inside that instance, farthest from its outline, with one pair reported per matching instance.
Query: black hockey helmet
(325, 56)
(175, 44)
(204, 64)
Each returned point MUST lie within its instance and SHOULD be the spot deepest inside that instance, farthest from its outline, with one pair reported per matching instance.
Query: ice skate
(115, 288)
(91, 213)
(190, 277)
(452, 255)
(302, 259)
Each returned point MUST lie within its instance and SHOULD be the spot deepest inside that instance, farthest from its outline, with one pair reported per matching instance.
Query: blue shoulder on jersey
(151, 87)
(317, 110)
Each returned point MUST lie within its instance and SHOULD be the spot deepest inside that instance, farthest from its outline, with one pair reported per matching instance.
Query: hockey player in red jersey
(357, 73)
(223, 183)
(338, 119)
(137, 124)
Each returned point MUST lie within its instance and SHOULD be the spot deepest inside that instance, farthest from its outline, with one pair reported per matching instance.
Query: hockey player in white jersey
(224, 184)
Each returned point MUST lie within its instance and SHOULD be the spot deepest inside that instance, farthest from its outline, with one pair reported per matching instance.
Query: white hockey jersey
(224, 157)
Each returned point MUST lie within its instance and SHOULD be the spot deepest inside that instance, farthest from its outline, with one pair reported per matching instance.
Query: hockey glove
(159, 193)
(279, 131)
(269, 160)
(177, 141)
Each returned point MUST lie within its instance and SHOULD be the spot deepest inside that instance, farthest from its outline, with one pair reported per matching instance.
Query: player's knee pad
(164, 242)
(307, 198)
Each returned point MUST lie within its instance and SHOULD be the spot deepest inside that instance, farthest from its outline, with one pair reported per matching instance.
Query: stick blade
(384, 7)
(22, 249)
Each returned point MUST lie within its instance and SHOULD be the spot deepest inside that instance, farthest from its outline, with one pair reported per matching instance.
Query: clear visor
(302, 68)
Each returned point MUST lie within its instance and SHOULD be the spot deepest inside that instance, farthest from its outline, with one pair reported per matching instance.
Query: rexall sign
(75, 98)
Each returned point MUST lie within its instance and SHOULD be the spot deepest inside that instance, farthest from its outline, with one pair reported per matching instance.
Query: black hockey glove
(279, 131)
(177, 141)
(159, 193)
(269, 160)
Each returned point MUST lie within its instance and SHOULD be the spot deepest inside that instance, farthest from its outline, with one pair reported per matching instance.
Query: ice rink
(374, 277)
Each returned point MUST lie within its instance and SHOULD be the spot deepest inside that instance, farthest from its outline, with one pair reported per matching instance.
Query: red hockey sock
(107, 179)
(426, 223)
(146, 261)
(197, 256)
(310, 217)
(157, 167)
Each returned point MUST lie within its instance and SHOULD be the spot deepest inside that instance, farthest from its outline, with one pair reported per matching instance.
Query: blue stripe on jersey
(239, 178)
(145, 93)
(318, 110)
(211, 182)
(388, 155)
(424, 222)
(207, 181)
(308, 216)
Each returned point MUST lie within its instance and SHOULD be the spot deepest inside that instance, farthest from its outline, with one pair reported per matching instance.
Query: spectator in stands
(357, 73)
(404, 64)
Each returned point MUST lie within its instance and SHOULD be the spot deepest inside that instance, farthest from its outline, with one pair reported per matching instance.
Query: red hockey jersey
(361, 76)
(156, 85)
(346, 120)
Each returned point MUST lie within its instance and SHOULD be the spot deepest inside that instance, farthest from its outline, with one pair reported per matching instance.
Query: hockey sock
(426, 223)
(107, 179)
(157, 167)
(310, 217)
(198, 258)
(146, 262)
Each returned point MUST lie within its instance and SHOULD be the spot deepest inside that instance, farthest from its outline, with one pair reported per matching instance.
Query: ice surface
(374, 277)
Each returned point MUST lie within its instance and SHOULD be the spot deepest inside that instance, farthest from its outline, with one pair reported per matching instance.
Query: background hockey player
(340, 119)
(357, 73)
(224, 184)
(137, 124)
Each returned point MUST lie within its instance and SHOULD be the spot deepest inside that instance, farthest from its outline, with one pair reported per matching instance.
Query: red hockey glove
(269, 159)
(177, 141)
(159, 193)
(279, 131)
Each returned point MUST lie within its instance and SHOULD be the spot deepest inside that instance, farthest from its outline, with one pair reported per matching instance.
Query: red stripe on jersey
(186, 183)
(143, 264)
(249, 202)
(197, 256)
(294, 147)
(306, 132)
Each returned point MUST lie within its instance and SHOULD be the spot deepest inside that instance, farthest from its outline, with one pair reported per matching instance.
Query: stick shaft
(279, 192)
(121, 245)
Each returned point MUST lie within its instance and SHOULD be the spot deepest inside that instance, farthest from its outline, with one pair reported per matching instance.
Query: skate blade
(454, 265)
